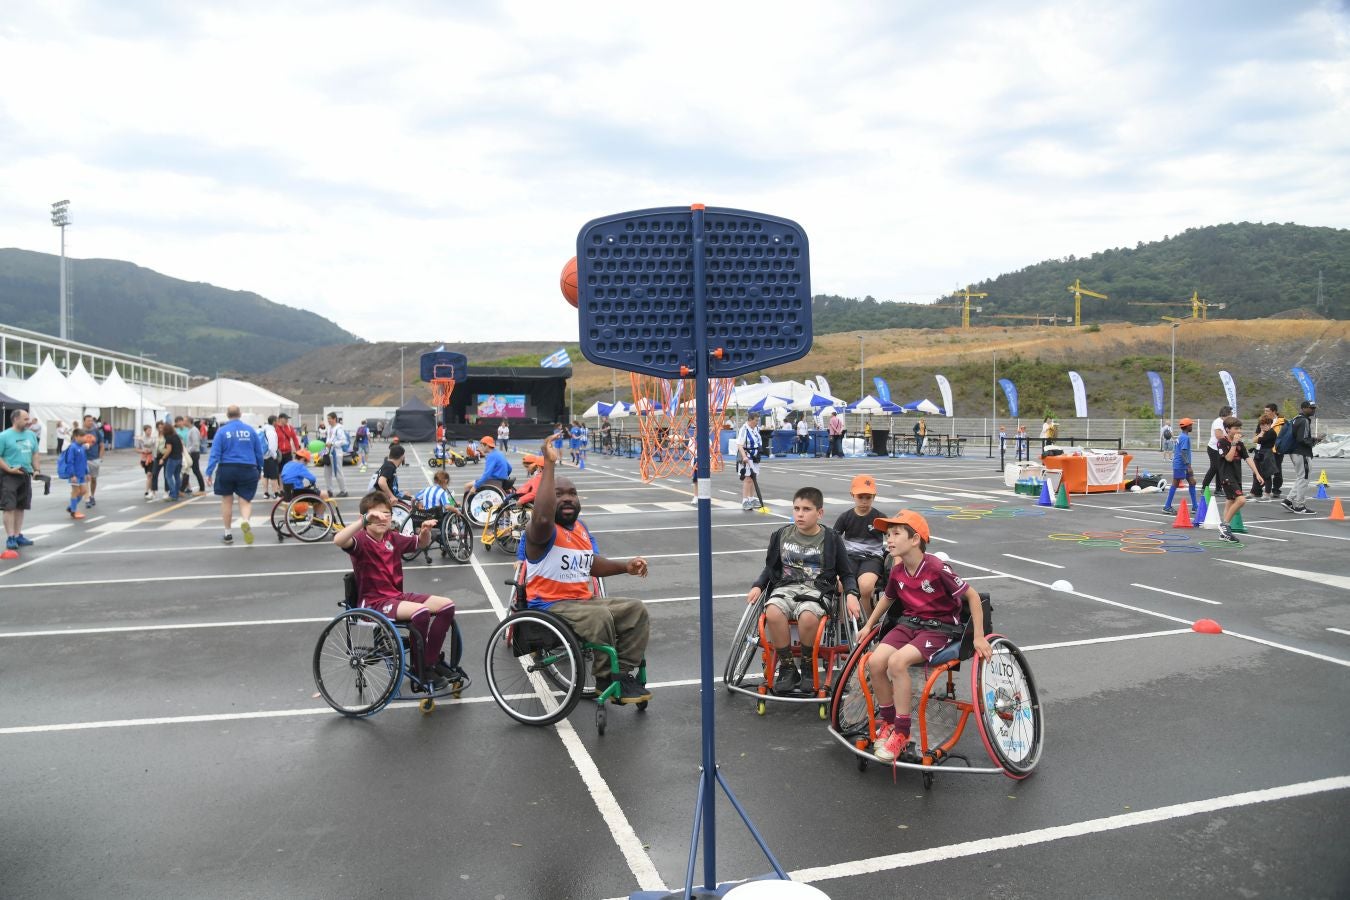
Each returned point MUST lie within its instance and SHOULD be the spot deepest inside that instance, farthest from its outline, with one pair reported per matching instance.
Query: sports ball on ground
(568, 281)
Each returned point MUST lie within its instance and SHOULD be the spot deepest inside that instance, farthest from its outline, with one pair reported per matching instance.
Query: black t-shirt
(1231, 470)
(173, 443)
(860, 538)
(389, 472)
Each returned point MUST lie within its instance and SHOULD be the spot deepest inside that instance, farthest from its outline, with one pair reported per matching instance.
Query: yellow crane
(1198, 307)
(1078, 291)
(966, 296)
(964, 307)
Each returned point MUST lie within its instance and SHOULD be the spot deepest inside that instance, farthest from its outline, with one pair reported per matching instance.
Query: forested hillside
(1255, 270)
(125, 307)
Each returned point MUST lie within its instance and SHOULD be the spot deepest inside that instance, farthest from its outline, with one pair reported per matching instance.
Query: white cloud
(416, 171)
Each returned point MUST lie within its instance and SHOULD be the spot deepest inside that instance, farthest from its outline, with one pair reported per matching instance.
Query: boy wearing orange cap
(866, 548)
(1181, 465)
(930, 595)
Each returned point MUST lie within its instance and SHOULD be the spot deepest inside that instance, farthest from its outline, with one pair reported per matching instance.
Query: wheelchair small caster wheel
(760, 706)
(927, 781)
(642, 706)
(601, 714)
(862, 764)
(426, 705)
(821, 710)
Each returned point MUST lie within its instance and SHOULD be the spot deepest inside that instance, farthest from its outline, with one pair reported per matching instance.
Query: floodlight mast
(61, 218)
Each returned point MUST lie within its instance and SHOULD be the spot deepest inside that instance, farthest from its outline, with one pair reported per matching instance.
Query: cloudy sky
(420, 169)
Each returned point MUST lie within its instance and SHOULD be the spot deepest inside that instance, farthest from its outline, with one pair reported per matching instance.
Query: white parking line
(1339, 631)
(1036, 561)
(1176, 594)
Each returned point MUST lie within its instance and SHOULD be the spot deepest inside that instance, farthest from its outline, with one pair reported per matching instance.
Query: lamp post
(862, 368)
(1172, 388)
(401, 377)
(61, 218)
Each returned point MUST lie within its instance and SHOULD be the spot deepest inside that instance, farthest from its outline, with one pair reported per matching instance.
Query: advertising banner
(1079, 395)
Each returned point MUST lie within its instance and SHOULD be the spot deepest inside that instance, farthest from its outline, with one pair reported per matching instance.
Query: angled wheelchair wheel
(744, 645)
(278, 520)
(851, 702)
(358, 662)
(509, 525)
(534, 665)
(309, 519)
(407, 526)
(1008, 709)
(483, 501)
(457, 536)
(935, 708)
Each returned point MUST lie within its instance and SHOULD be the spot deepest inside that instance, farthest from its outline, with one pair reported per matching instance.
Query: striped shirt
(564, 571)
(433, 497)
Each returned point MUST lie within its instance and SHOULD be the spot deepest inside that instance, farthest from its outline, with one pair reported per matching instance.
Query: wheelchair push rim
(358, 662)
(1008, 709)
(534, 668)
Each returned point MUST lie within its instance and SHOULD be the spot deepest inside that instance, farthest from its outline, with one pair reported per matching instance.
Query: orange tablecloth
(1073, 471)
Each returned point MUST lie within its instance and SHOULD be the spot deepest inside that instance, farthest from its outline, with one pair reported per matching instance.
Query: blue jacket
(76, 461)
(296, 474)
(495, 467)
(235, 442)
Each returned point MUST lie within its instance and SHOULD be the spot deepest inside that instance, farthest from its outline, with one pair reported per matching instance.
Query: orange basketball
(568, 281)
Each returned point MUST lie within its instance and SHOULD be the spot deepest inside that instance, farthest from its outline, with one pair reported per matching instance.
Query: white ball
(942, 555)
(775, 890)
(1061, 585)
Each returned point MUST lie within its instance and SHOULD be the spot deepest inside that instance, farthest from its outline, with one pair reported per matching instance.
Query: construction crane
(964, 307)
(1052, 317)
(966, 296)
(1078, 291)
(1198, 306)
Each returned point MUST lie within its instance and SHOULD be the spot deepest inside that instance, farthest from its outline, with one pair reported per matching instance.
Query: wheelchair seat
(962, 647)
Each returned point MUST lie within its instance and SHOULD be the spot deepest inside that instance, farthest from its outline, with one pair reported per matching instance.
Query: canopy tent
(925, 406)
(141, 407)
(414, 421)
(213, 398)
(83, 385)
(602, 410)
(50, 399)
(870, 404)
(7, 405)
(747, 395)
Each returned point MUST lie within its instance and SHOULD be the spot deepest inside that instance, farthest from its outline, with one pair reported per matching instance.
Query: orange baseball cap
(488, 442)
(530, 459)
(863, 484)
(1185, 423)
(905, 517)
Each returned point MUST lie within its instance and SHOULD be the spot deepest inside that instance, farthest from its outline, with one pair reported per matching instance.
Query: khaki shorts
(795, 599)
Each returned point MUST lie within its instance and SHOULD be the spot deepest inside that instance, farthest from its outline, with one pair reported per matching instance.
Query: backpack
(1167, 433)
(64, 468)
(1285, 441)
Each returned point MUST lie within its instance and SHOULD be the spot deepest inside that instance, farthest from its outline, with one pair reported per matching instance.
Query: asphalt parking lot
(162, 735)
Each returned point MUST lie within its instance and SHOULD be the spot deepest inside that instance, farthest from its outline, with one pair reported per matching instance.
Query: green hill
(125, 307)
(1256, 270)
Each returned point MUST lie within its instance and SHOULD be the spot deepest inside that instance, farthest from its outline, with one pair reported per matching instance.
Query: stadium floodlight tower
(695, 292)
(61, 218)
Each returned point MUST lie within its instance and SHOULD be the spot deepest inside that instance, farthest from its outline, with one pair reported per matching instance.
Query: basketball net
(667, 424)
(441, 389)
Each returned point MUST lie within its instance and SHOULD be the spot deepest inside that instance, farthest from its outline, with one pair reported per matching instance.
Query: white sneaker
(152, 496)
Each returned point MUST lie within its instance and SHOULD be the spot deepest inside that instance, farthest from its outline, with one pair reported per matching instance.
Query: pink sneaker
(895, 742)
(883, 733)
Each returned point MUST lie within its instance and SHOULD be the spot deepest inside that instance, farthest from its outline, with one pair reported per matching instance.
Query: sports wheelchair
(305, 516)
(538, 670)
(1002, 697)
(508, 524)
(834, 638)
(452, 532)
(479, 504)
(363, 657)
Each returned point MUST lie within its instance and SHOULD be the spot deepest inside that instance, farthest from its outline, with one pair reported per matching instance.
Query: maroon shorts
(388, 606)
(929, 643)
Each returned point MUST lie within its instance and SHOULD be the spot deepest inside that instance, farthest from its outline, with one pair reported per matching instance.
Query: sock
(74, 503)
(784, 655)
(902, 725)
(887, 714)
(1194, 502)
(1170, 495)
(440, 626)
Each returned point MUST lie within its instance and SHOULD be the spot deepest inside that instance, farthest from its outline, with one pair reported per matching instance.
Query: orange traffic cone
(1183, 516)
(1337, 514)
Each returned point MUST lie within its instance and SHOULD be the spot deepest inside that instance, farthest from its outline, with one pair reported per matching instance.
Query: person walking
(504, 437)
(287, 440)
(271, 459)
(173, 461)
(1275, 480)
(836, 434)
(1300, 455)
(94, 460)
(232, 470)
(18, 465)
(336, 447)
(1216, 433)
(145, 446)
(192, 444)
(62, 435)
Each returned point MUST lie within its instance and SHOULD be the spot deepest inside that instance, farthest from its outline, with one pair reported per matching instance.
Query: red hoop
(441, 389)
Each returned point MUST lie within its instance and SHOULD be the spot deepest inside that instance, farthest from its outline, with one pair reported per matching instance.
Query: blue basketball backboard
(443, 364)
(636, 287)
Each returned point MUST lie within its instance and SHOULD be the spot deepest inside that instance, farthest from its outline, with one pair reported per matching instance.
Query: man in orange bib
(561, 559)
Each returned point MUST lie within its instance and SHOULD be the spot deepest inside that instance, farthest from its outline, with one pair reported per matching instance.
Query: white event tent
(213, 398)
(117, 394)
(50, 398)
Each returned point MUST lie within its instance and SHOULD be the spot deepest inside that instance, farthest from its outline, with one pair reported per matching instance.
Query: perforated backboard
(444, 364)
(635, 273)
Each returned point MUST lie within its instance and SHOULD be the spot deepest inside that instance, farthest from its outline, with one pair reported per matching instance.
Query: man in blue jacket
(232, 471)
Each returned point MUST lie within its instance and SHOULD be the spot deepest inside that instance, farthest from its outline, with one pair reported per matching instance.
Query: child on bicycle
(929, 618)
(377, 552)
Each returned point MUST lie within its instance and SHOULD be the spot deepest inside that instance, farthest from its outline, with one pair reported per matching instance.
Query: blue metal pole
(701, 360)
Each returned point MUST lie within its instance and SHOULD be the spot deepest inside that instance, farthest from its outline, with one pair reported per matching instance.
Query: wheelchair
(479, 505)
(306, 517)
(507, 527)
(363, 657)
(1001, 696)
(452, 533)
(834, 638)
(538, 670)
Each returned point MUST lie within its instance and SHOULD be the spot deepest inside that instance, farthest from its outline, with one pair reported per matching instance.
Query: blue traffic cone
(1321, 492)
(1045, 499)
(1200, 508)
(581, 462)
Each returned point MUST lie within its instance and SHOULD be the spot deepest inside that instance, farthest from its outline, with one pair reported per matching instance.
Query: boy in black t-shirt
(1231, 450)
(865, 545)
(386, 479)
